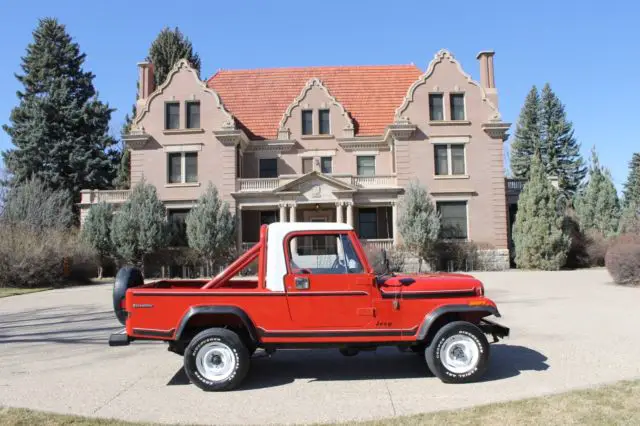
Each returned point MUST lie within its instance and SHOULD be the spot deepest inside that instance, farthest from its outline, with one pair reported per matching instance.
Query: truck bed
(236, 284)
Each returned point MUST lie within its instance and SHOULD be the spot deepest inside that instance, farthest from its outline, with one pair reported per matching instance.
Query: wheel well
(447, 317)
(203, 321)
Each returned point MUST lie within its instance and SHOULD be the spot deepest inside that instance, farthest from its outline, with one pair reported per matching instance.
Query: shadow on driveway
(387, 363)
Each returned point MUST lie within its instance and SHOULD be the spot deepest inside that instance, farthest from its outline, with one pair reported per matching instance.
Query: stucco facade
(367, 132)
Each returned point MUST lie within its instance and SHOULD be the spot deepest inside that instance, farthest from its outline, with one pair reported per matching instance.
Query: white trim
(183, 148)
(449, 139)
(318, 153)
(367, 153)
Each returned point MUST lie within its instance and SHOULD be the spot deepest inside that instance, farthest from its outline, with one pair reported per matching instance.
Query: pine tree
(597, 205)
(139, 228)
(211, 228)
(419, 222)
(527, 136)
(632, 185)
(560, 150)
(539, 238)
(60, 128)
(630, 219)
(167, 49)
(97, 231)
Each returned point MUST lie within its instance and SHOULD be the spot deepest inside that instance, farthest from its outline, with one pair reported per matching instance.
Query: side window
(323, 254)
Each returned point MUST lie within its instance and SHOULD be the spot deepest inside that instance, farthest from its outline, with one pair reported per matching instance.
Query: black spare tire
(126, 278)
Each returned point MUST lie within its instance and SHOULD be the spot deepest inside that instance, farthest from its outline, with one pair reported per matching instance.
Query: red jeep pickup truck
(314, 288)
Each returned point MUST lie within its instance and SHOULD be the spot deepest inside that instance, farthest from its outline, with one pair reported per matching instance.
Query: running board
(120, 338)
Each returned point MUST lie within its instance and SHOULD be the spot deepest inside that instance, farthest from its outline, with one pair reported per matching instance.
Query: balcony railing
(115, 196)
(377, 243)
(269, 184)
(514, 186)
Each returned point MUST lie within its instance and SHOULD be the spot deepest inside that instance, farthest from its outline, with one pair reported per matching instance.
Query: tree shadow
(386, 363)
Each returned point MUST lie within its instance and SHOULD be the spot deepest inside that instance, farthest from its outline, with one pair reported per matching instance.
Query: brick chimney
(146, 82)
(487, 80)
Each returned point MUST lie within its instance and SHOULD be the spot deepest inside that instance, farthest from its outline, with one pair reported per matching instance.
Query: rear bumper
(120, 338)
(496, 330)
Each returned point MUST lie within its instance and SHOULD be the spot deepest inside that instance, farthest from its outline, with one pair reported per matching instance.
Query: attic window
(324, 127)
(307, 122)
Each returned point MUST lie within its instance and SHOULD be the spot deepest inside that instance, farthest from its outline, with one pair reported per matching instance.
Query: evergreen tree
(560, 150)
(419, 222)
(60, 128)
(632, 185)
(139, 228)
(597, 205)
(630, 219)
(539, 238)
(211, 228)
(527, 136)
(167, 49)
(97, 231)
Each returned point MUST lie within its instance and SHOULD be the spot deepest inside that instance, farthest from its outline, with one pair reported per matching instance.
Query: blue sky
(587, 50)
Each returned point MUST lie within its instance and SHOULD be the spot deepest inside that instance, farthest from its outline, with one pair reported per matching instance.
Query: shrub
(30, 258)
(623, 259)
(97, 232)
(596, 249)
(395, 259)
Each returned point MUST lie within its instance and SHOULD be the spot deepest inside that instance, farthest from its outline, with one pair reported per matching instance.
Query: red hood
(433, 282)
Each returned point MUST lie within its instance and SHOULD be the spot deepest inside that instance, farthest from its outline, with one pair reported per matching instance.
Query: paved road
(570, 330)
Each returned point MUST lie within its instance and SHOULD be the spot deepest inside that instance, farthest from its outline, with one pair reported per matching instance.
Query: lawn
(613, 404)
(11, 291)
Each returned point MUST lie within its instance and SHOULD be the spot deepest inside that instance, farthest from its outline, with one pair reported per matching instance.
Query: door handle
(302, 283)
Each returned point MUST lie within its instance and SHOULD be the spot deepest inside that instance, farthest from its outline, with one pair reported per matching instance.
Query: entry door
(326, 284)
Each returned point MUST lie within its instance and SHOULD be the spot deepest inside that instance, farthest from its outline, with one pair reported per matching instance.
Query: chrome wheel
(216, 361)
(459, 354)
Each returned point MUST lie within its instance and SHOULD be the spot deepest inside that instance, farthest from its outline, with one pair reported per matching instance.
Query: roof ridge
(316, 67)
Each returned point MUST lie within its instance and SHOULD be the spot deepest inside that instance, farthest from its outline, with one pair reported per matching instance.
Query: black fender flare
(432, 316)
(216, 309)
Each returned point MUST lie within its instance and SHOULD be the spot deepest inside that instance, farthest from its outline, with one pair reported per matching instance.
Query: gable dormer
(445, 95)
(182, 104)
(315, 114)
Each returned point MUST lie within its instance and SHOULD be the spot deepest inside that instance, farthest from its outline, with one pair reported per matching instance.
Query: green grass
(617, 404)
(11, 291)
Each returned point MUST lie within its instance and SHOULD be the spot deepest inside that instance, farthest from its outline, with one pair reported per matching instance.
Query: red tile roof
(258, 98)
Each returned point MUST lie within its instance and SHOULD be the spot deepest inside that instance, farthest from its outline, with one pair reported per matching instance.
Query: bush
(30, 258)
(623, 259)
(597, 245)
(395, 258)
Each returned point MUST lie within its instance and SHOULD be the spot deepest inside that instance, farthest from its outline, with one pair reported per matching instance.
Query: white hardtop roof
(276, 261)
(286, 227)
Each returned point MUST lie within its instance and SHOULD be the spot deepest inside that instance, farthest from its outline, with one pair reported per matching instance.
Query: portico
(317, 197)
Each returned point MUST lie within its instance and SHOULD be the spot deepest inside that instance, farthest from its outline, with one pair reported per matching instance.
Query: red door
(326, 284)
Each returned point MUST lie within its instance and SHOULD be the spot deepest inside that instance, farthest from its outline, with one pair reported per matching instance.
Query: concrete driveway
(569, 330)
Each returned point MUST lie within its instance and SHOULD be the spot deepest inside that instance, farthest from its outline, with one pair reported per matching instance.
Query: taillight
(480, 290)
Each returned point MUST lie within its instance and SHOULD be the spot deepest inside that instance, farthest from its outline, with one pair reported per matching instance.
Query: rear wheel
(459, 353)
(216, 360)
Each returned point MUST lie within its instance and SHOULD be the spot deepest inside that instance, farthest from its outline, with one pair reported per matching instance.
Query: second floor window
(268, 167)
(307, 122)
(172, 115)
(326, 165)
(182, 167)
(366, 165)
(436, 107)
(193, 115)
(307, 165)
(457, 106)
(324, 122)
(449, 159)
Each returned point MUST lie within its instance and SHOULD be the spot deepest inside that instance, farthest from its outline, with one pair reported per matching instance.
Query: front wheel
(459, 353)
(216, 360)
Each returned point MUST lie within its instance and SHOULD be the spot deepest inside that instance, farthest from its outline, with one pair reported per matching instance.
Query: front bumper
(496, 330)
(120, 338)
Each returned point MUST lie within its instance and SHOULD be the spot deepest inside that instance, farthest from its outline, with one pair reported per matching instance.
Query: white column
(292, 213)
(339, 217)
(350, 213)
(239, 229)
(283, 212)
(394, 220)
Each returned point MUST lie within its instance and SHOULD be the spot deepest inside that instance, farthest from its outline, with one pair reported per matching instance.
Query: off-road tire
(472, 334)
(236, 347)
(126, 278)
